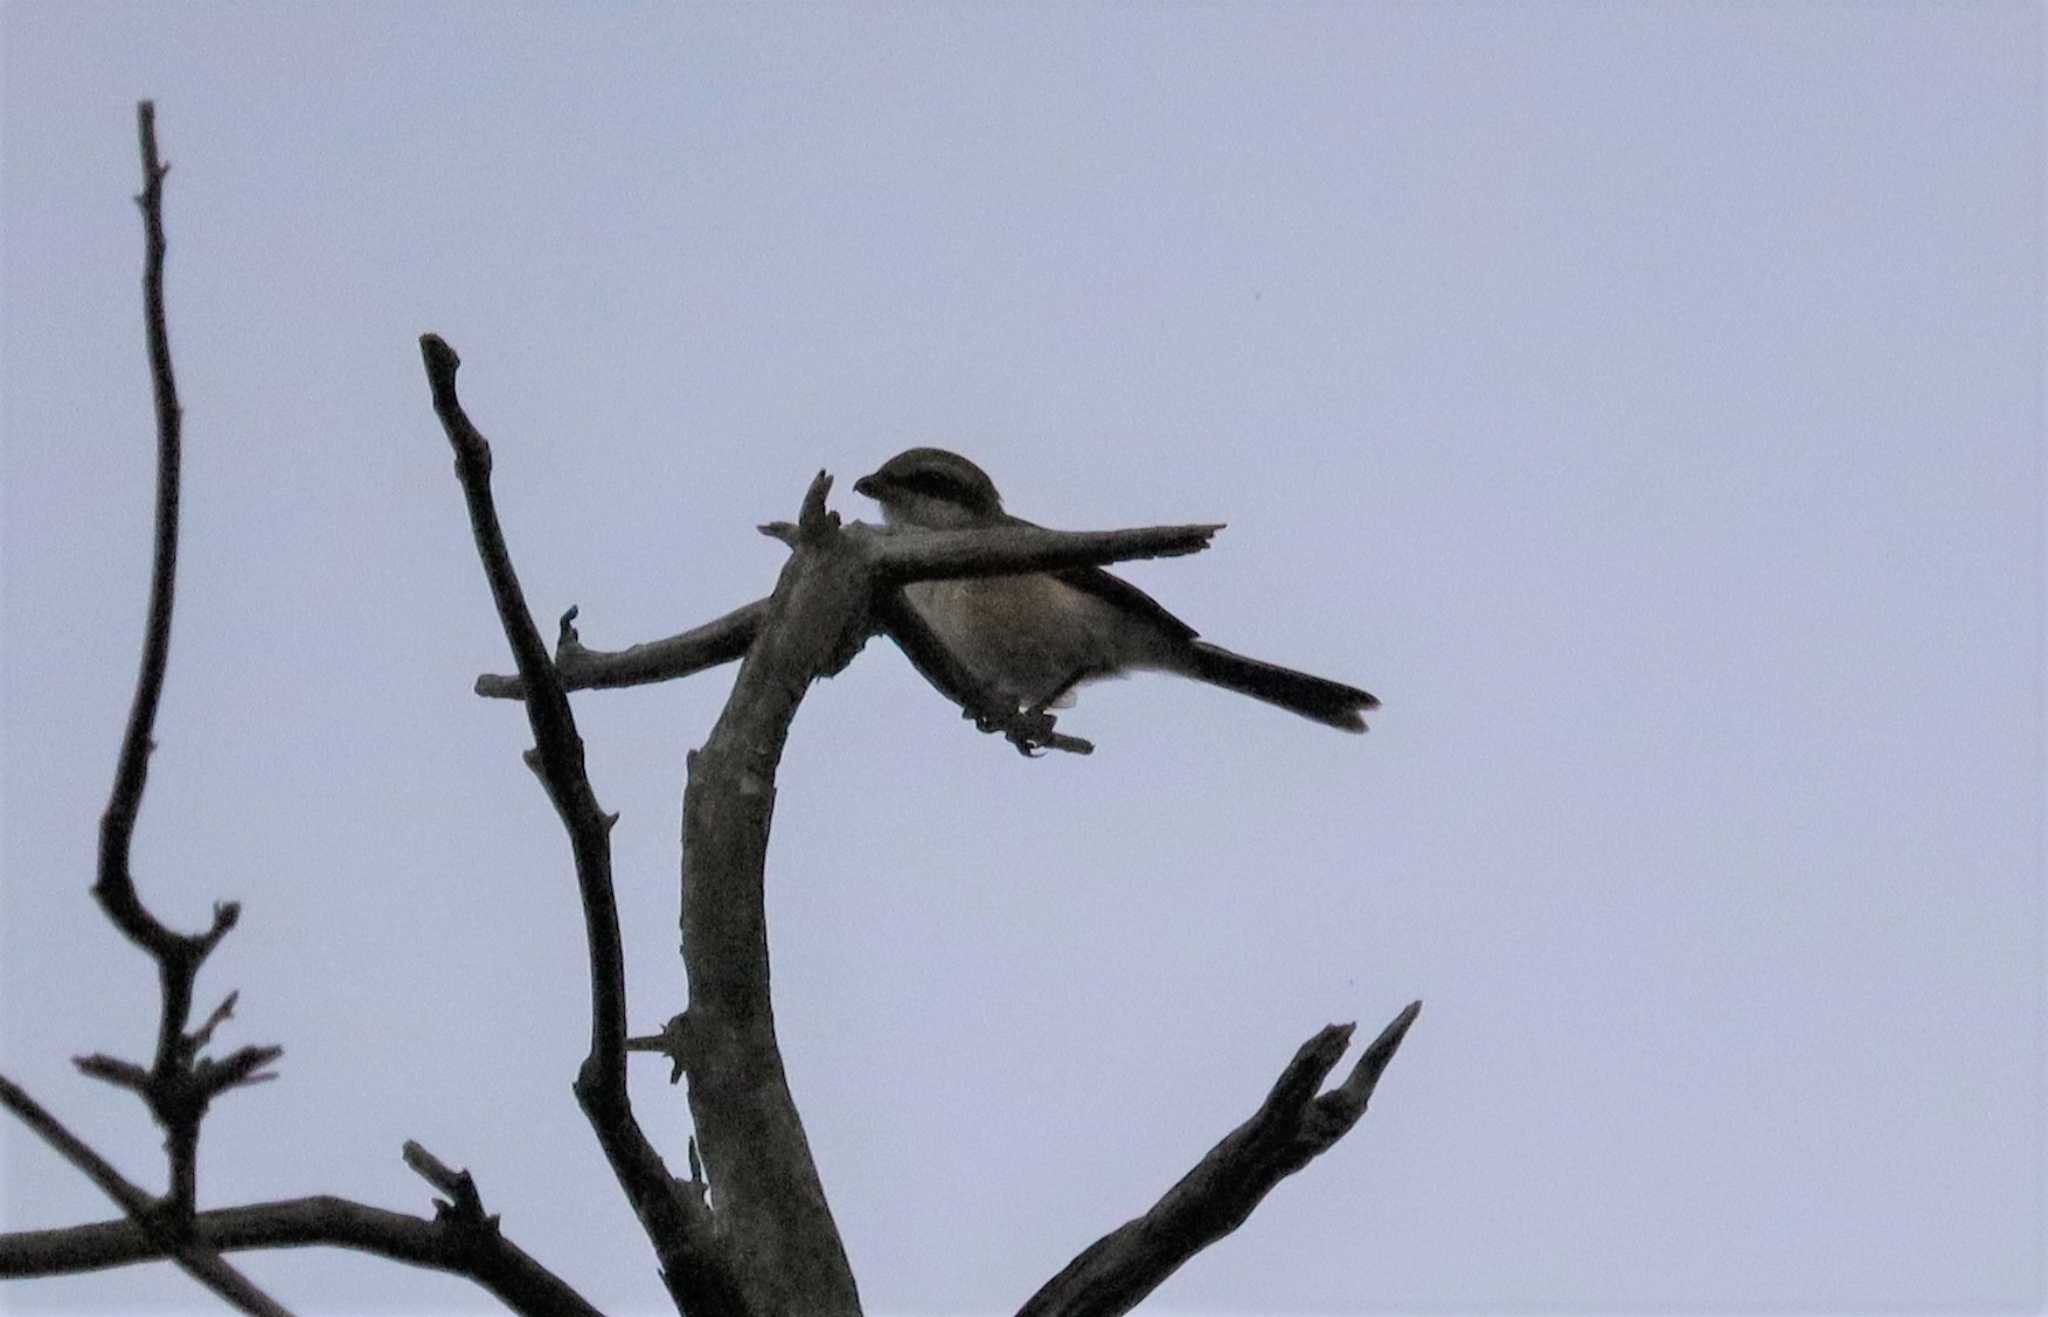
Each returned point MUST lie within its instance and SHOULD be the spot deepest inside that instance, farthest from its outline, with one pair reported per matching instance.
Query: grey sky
(1643, 400)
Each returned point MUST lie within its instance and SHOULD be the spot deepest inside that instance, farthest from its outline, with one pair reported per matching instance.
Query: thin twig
(116, 887)
(177, 955)
(177, 1095)
(672, 1042)
(177, 1085)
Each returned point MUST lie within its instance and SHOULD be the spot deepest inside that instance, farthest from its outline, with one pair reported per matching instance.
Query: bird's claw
(1031, 730)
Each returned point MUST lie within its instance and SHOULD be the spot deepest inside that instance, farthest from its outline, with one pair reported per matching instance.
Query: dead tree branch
(162, 1234)
(821, 612)
(718, 641)
(773, 1227)
(696, 1267)
(522, 1284)
(902, 556)
(180, 1082)
(756, 1155)
(894, 558)
(1291, 1127)
(462, 1241)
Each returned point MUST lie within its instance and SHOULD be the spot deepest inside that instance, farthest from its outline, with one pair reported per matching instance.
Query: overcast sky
(1643, 400)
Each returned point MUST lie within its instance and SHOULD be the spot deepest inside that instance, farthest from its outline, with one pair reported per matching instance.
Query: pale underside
(1032, 639)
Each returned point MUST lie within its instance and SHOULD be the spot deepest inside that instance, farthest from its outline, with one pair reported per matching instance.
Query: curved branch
(521, 1283)
(176, 1091)
(115, 887)
(673, 1214)
(765, 1182)
(179, 1083)
(1291, 1127)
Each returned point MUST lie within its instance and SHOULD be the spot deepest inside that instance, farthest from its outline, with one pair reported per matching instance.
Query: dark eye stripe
(935, 485)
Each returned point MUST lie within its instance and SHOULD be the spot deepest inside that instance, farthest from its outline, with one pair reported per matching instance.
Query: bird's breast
(1029, 638)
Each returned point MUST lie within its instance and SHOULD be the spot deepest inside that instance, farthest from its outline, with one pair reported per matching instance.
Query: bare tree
(766, 1242)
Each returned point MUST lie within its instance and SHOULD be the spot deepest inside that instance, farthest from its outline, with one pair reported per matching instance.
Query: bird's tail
(1329, 702)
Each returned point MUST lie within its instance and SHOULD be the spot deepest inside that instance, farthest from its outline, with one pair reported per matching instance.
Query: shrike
(1032, 639)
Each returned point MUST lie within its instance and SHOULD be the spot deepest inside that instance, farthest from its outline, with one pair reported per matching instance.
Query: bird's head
(932, 489)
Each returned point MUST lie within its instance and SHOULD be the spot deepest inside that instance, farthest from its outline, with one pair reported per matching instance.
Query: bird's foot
(1032, 732)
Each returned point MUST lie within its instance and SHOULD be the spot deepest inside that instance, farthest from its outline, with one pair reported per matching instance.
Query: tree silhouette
(748, 1230)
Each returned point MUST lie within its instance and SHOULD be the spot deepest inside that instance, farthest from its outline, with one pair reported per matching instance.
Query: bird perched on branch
(1032, 639)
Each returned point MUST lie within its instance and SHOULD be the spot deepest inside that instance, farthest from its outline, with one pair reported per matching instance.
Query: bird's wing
(1118, 592)
(1122, 594)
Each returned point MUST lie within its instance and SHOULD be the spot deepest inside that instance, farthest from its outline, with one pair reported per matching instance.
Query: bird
(1031, 639)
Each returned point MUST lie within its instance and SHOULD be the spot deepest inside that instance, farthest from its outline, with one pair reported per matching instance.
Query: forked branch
(177, 1084)
(1293, 1125)
(462, 1241)
(150, 1231)
(180, 1081)
(840, 585)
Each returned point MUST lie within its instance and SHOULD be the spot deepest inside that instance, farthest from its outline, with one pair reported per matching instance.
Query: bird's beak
(866, 485)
